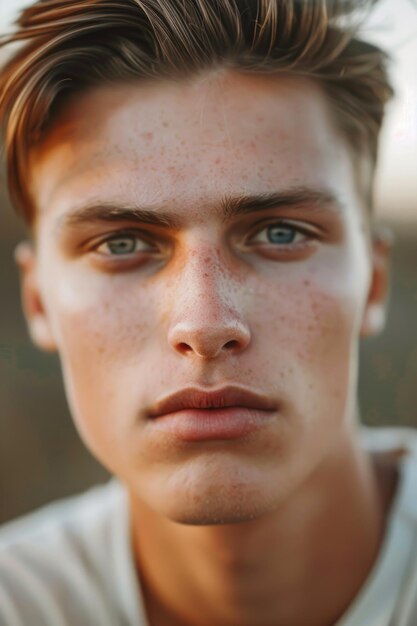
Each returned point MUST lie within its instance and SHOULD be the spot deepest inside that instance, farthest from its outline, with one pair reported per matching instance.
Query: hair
(68, 46)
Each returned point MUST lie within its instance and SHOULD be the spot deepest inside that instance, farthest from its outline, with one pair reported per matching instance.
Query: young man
(197, 177)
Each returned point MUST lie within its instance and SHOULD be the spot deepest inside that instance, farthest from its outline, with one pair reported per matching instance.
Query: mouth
(196, 415)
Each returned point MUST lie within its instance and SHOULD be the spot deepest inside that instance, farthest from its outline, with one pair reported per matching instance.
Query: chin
(211, 500)
(218, 517)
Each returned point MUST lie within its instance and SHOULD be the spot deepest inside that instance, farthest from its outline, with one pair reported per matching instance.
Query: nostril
(184, 347)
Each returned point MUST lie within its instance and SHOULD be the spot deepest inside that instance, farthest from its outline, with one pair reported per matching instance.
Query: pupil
(281, 234)
(122, 246)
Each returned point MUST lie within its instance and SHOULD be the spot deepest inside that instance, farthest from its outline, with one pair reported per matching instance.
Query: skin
(285, 524)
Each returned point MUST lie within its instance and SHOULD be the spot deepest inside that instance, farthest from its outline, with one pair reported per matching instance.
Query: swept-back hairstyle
(68, 46)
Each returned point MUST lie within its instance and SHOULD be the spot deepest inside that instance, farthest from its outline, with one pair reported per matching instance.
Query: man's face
(271, 298)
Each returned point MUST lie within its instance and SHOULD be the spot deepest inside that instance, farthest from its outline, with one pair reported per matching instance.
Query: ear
(33, 307)
(375, 310)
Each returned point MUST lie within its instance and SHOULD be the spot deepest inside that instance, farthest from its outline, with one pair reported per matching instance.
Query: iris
(122, 245)
(281, 234)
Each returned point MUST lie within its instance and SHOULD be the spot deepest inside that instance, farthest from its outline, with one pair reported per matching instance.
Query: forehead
(219, 133)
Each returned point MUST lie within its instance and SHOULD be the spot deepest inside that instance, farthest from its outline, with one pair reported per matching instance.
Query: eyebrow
(295, 197)
(230, 207)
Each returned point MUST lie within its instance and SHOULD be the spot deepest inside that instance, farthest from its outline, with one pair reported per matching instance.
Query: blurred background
(41, 456)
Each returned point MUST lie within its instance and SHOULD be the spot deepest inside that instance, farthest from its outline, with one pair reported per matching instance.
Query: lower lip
(212, 424)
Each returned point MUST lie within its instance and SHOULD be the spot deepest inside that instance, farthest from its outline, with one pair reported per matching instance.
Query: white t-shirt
(70, 563)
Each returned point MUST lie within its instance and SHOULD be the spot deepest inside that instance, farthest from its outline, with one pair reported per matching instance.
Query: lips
(197, 399)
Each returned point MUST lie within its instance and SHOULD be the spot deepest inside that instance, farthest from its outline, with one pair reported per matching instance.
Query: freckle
(148, 136)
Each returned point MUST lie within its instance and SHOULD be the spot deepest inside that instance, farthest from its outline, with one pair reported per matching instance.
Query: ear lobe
(374, 317)
(35, 314)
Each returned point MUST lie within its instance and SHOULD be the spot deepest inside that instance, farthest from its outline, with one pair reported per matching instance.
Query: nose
(207, 321)
(209, 340)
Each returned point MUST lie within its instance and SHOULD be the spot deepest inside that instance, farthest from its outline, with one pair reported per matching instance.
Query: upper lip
(194, 398)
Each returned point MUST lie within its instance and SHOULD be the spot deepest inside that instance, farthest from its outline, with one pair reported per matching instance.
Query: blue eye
(123, 245)
(281, 234)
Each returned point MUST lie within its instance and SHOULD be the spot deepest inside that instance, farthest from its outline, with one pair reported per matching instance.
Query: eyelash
(280, 224)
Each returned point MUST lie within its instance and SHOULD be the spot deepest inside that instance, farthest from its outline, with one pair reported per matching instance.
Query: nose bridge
(204, 278)
(203, 288)
(205, 317)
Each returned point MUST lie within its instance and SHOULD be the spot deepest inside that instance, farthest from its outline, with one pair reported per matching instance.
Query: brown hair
(71, 45)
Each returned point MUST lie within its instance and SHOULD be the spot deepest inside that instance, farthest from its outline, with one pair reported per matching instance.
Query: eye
(281, 234)
(122, 245)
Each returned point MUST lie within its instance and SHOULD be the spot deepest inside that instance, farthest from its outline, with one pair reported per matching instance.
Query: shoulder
(71, 514)
(385, 438)
(59, 553)
(400, 443)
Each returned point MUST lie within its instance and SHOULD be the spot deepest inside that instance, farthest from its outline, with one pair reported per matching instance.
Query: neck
(306, 560)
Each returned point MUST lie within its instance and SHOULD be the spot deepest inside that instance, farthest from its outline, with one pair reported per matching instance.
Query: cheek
(101, 320)
(123, 321)
(308, 328)
(103, 328)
